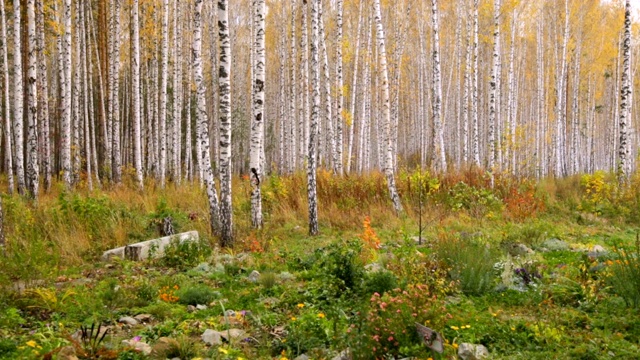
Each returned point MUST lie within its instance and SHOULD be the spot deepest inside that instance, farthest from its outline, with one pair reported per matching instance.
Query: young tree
(224, 77)
(203, 121)
(388, 166)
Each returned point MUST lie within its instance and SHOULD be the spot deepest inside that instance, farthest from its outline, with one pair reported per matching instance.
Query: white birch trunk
(203, 121)
(388, 166)
(475, 147)
(7, 104)
(332, 157)
(439, 157)
(33, 169)
(337, 161)
(257, 123)
(135, 85)
(493, 95)
(224, 72)
(18, 125)
(115, 94)
(624, 153)
(354, 89)
(162, 111)
(43, 99)
(315, 114)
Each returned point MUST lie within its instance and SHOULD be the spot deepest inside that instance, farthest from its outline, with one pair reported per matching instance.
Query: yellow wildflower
(223, 350)
(31, 343)
(300, 306)
(321, 315)
(455, 328)
(293, 318)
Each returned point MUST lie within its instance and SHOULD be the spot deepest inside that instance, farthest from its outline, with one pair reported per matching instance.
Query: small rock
(203, 268)
(302, 357)
(254, 276)
(598, 249)
(373, 267)
(218, 269)
(230, 313)
(142, 347)
(343, 355)
(212, 337)
(128, 320)
(233, 334)
(143, 318)
(201, 307)
(286, 276)
(468, 351)
(270, 301)
(555, 245)
(519, 250)
(191, 308)
(176, 358)
(67, 353)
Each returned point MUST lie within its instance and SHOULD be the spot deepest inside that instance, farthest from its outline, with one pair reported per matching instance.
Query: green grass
(315, 295)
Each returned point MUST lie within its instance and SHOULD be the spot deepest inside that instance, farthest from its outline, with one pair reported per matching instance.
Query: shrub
(185, 254)
(380, 282)
(625, 274)
(197, 295)
(470, 263)
(478, 201)
(308, 331)
(388, 328)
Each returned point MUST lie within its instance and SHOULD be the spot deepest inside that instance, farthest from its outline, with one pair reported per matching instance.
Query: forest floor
(530, 270)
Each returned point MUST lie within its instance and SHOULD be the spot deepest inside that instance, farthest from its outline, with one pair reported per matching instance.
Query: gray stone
(143, 318)
(286, 276)
(201, 307)
(373, 267)
(203, 268)
(233, 334)
(302, 357)
(467, 351)
(230, 313)
(128, 320)
(343, 355)
(518, 249)
(191, 308)
(142, 250)
(555, 245)
(212, 337)
(254, 276)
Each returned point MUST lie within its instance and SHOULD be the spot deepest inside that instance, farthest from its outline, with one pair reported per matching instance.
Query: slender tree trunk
(493, 96)
(257, 124)
(304, 119)
(43, 98)
(465, 97)
(474, 94)
(162, 128)
(177, 91)
(332, 156)
(315, 114)
(293, 157)
(624, 158)
(388, 167)
(135, 89)
(18, 125)
(7, 104)
(439, 158)
(115, 94)
(226, 210)
(33, 169)
(337, 161)
(354, 88)
(560, 144)
(203, 121)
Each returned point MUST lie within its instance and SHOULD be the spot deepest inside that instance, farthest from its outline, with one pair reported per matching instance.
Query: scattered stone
(233, 334)
(191, 308)
(128, 320)
(243, 257)
(143, 318)
(518, 249)
(270, 301)
(418, 240)
(218, 269)
(230, 313)
(343, 355)
(138, 345)
(202, 268)
(467, 351)
(302, 357)
(212, 338)
(201, 307)
(554, 244)
(597, 251)
(67, 353)
(286, 276)
(143, 250)
(254, 276)
(452, 300)
(373, 267)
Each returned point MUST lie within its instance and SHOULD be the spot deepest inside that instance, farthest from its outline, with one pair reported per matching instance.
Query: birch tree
(388, 166)
(337, 161)
(475, 147)
(18, 125)
(114, 81)
(203, 121)
(315, 114)
(224, 94)
(439, 157)
(493, 95)
(5, 94)
(624, 168)
(135, 85)
(33, 169)
(257, 124)
(162, 111)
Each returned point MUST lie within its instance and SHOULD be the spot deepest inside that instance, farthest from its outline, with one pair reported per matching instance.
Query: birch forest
(281, 124)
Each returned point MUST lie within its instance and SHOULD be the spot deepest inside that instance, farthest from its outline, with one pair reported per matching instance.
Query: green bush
(380, 282)
(477, 201)
(197, 295)
(185, 254)
(625, 275)
(470, 263)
